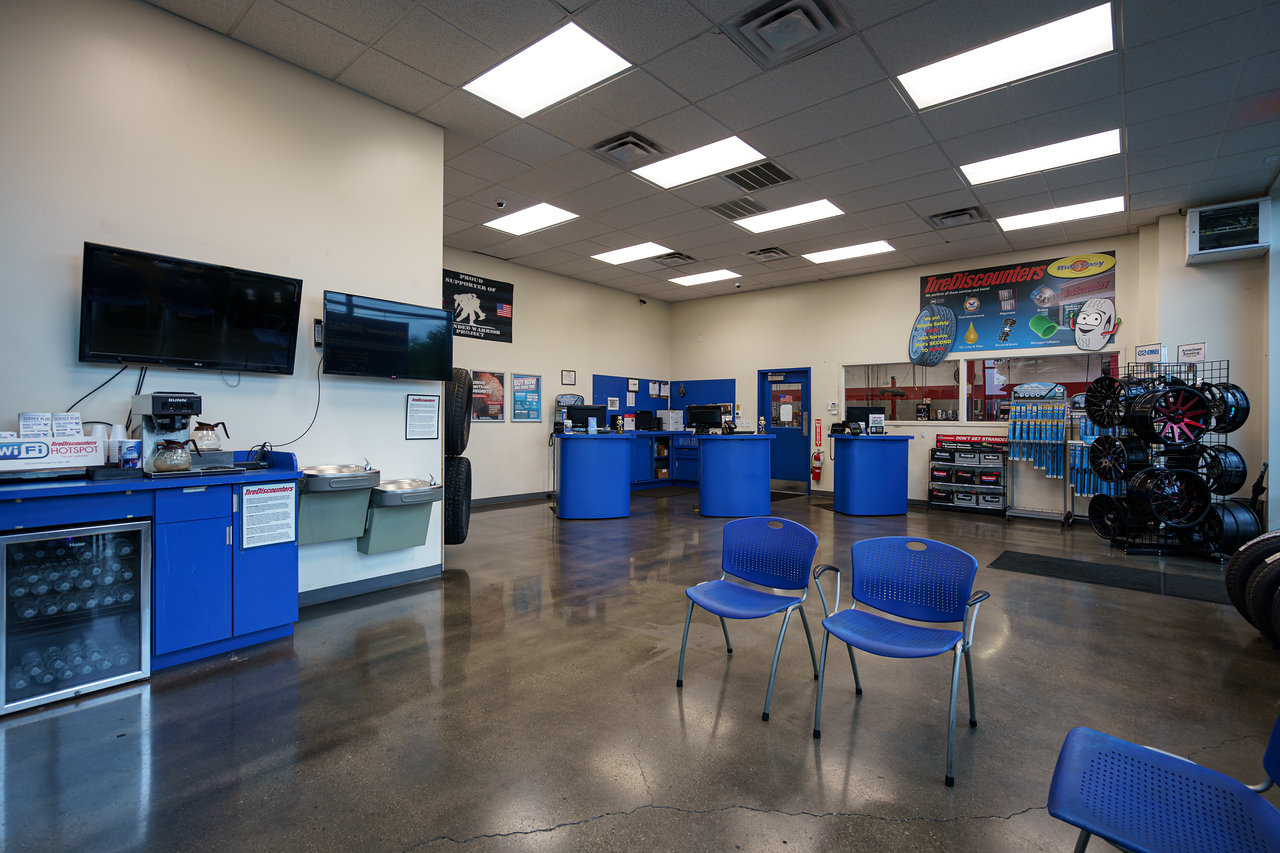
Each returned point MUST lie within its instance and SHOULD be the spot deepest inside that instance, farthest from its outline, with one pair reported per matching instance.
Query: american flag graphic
(504, 310)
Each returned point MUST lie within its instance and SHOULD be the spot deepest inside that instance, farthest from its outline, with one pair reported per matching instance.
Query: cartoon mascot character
(1095, 323)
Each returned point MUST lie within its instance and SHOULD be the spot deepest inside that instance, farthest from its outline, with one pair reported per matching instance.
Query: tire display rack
(457, 468)
(1155, 459)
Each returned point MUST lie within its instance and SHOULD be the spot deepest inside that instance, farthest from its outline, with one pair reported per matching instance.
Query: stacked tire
(457, 468)
(1253, 578)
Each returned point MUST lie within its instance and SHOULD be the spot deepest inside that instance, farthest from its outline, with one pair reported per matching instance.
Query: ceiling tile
(477, 238)
(985, 144)
(634, 98)
(468, 119)
(582, 230)
(846, 180)
(954, 26)
(1176, 128)
(436, 47)
(1045, 235)
(699, 68)
(1009, 17)
(514, 248)
(293, 37)
(902, 192)
(461, 184)
(786, 195)
(488, 199)
(1157, 198)
(1180, 94)
(577, 122)
(981, 112)
(708, 191)
(488, 164)
(684, 130)
(469, 211)
(574, 267)
(1260, 74)
(888, 138)
(909, 164)
(641, 31)
(829, 72)
(884, 215)
(1011, 188)
(716, 231)
(572, 171)
(529, 145)
(1080, 84)
(1255, 109)
(1149, 20)
(1178, 176)
(866, 107)
(605, 194)
(1022, 204)
(817, 160)
(1095, 117)
(1175, 154)
(1112, 224)
(955, 200)
(919, 240)
(547, 258)
(750, 103)
(1246, 163)
(1256, 137)
(790, 133)
(1229, 188)
(453, 226)
(392, 82)
(1107, 168)
(894, 231)
(507, 27)
(1082, 193)
(1208, 46)
(648, 209)
(218, 15)
(364, 20)
(868, 13)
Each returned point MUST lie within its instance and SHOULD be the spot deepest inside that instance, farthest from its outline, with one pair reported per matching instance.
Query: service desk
(593, 475)
(871, 474)
(735, 475)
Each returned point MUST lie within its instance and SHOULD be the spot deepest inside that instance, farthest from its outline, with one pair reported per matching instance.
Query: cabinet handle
(228, 534)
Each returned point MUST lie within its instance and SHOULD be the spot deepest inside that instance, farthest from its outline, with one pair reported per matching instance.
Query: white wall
(558, 324)
(126, 125)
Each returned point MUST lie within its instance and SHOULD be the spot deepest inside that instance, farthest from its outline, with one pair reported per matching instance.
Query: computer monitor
(578, 416)
(646, 420)
(702, 418)
(862, 414)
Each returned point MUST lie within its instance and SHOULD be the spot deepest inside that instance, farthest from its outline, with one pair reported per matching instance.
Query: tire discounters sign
(1026, 305)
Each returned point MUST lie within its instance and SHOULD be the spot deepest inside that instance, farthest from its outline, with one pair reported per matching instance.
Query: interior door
(783, 401)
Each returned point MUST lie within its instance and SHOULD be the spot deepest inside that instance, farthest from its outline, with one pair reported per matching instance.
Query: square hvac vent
(955, 218)
(737, 209)
(781, 31)
(773, 253)
(674, 259)
(628, 150)
(766, 174)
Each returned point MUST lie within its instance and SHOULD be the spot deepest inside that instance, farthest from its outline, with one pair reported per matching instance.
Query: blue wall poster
(481, 307)
(1029, 305)
(526, 398)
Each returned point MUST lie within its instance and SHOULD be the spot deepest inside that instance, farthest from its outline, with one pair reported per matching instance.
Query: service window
(902, 391)
(992, 380)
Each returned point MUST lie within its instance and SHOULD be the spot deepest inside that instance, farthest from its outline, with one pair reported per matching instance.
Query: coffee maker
(165, 415)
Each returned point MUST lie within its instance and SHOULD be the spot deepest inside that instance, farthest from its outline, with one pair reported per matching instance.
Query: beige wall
(126, 125)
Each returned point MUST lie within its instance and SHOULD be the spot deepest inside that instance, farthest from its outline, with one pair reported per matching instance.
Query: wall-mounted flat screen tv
(140, 308)
(364, 336)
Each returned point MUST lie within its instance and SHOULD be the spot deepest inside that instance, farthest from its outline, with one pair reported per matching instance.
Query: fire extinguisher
(817, 465)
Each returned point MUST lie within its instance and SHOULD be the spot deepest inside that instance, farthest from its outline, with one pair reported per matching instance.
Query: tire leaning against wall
(1261, 594)
(1242, 565)
(457, 499)
(457, 412)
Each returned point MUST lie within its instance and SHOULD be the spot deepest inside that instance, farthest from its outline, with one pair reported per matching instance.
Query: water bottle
(125, 573)
(126, 593)
(107, 597)
(107, 577)
(18, 679)
(84, 669)
(32, 665)
(83, 582)
(74, 654)
(48, 606)
(72, 571)
(92, 651)
(26, 608)
(40, 586)
(60, 582)
(18, 588)
(69, 603)
(92, 570)
(16, 554)
(53, 658)
(53, 571)
(119, 656)
(30, 575)
(88, 599)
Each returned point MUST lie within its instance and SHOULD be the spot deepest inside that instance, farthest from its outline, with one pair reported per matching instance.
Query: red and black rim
(1114, 459)
(1172, 497)
(1173, 416)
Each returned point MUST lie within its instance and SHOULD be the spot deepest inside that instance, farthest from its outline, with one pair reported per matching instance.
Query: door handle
(804, 423)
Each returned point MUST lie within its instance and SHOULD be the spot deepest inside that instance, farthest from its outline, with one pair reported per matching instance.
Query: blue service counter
(593, 475)
(209, 594)
(871, 474)
(734, 480)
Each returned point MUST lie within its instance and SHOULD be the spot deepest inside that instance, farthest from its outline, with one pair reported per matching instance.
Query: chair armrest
(817, 573)
(825, 567)
(971, 615)
(978, 597)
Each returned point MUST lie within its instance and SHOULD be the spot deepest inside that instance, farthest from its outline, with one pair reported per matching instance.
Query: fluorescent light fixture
(1054, 156)
(798, 215)
(562, 64)
(531, 219)
(859, 251)
(632, 253)
(722, 156)
(1062, 214)
(705, 278)
(1035, 51)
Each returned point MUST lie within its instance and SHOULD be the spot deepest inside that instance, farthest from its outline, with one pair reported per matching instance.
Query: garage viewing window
(991, 381)
(902, 390)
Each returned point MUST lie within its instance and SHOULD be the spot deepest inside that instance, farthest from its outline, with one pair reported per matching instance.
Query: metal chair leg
(723, 627)
(684, 642)
(812, 655)
(768, 699)
(1083, 841)
(968, 670)
(857, 682)
(822, 670)
(951, 721)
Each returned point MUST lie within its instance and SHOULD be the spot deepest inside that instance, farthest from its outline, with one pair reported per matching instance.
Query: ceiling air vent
(781, 31)
(737, 209)
(674, 259)
(773, 253)
(628, 150)
(766, 174)
(953, 218)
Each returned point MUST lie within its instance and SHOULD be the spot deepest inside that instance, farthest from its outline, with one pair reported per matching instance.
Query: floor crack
(1222, 744)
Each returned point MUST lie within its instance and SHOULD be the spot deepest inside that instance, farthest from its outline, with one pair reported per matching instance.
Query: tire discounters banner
(1028, 305)
(481, 307)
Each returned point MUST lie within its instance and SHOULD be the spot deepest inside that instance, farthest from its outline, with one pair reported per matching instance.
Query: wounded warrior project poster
(481, 307)
(1056, 302)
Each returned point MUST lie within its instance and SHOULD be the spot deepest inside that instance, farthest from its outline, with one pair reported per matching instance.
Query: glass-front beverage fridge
(77, 611)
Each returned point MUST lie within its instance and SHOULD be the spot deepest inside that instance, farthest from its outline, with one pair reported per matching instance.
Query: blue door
(783, 402)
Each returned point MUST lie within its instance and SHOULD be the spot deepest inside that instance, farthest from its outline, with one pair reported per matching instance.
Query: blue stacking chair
(917, 579)
(1148, 801)
(770, 552)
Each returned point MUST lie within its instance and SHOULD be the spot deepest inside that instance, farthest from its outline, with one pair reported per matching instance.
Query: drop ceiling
(1194, 86)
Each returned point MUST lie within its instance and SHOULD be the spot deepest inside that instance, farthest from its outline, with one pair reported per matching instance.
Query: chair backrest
(1271, 758)
(772, 552)
(913, 578)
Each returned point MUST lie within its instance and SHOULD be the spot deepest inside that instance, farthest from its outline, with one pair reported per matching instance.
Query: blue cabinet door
(192, 584)
(641, 458)
(265, 587)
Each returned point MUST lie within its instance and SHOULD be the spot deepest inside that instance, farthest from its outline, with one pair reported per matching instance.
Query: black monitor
(365, 336)
(702, 418)
(646, 420)
(578, 416)
(862, 414)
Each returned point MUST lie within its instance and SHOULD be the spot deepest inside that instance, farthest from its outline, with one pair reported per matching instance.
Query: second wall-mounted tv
(364, 336)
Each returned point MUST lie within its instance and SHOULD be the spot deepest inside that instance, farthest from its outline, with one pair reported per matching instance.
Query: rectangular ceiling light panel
(1069, 213)
(562, 64)
(859, 251)
(722, 156)
(705, 278)
(788, 216)
(1044, 48)
(531, 219)
(1095, 147)
(632, 253)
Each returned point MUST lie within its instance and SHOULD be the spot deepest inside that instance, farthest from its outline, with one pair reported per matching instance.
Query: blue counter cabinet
(871, 474)
(734, 476)
(593, 475)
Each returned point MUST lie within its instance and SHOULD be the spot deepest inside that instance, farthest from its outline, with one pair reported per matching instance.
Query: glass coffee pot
(173, 456)
(205, 435)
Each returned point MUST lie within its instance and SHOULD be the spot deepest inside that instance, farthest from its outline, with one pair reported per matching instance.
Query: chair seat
(1151, 802)
(735, 601)
(888, 638)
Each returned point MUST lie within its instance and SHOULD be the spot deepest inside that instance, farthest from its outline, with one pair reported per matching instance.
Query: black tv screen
(140, 308)
(364, 336)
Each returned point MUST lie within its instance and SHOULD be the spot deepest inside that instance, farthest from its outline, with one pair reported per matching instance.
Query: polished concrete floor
(527, 701)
